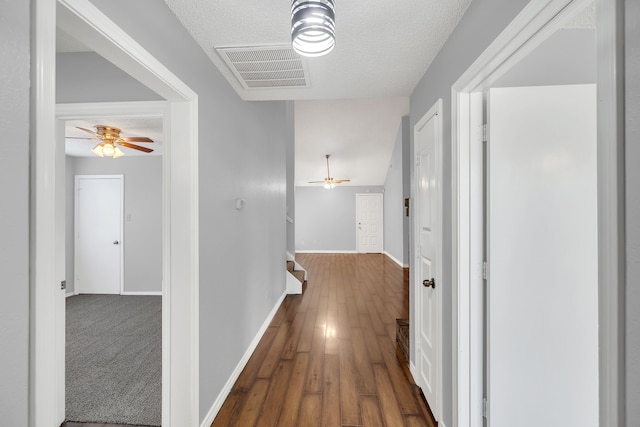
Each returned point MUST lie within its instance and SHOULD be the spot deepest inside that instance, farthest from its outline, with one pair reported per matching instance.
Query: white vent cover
(264, 67)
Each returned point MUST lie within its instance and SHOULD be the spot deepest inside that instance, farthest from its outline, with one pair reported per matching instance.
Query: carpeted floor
(113, 359)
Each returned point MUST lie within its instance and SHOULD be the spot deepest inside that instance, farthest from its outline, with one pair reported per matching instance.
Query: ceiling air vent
(265, 67)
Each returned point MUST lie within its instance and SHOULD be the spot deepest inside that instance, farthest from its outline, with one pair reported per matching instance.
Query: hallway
(329, 356)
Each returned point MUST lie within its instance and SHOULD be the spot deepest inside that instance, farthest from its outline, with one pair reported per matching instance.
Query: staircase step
(290, 266)
(299, 274)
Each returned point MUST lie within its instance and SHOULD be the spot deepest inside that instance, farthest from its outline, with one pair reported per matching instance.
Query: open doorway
(114, 267)
(179, 255)
(516, 46)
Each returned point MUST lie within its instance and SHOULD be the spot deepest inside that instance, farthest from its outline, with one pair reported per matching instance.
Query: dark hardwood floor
(329, 357)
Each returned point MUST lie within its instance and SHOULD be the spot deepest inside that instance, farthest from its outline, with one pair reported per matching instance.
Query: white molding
(532, 26)
(142, 293)
(290, 256)
(224, 393)
(71, 294)
(434, 112)
(396, 260)
(327, 251)
(180, 378)
(612, 279)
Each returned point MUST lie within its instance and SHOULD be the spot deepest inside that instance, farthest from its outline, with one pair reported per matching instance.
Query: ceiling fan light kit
(313, 29)
(329, 182)
(110, 138)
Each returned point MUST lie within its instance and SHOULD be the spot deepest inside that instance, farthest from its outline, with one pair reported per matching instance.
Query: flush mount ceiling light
(313, 30)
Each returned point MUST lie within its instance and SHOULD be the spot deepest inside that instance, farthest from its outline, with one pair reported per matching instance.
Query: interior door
(428, 288)
(542, 249)
(369, 210)
(98, 234)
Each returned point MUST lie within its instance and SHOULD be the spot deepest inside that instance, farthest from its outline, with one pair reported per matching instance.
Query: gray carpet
(113, 366)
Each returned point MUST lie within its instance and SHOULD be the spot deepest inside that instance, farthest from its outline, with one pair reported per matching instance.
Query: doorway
(532, 27)
(180, 392)
(369, 229)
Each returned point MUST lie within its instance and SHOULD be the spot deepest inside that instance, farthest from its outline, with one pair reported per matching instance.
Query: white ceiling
(359, 134)
(130, 126)
(358, 93)
(383, 47)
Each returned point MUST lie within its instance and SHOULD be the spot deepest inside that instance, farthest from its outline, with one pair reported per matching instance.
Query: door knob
(115, 242)
(429, 283)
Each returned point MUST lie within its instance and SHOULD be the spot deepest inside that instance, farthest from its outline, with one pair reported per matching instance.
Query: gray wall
(143, 216)
(632, 56)
(72, 86)
(14, 211)
(291, 174)
(480, 25)
(326, 219)
(241, 155)
(568, 57)
(395, 233)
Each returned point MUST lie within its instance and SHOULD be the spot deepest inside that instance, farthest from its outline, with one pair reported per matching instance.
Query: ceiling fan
(110, 138)
(329, 182)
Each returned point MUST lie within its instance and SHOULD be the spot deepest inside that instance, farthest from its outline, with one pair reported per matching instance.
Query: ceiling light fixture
(313, 28)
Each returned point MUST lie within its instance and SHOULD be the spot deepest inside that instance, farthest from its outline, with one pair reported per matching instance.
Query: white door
(98, 234)
(369, 227)
(542, 265)
(428, 137)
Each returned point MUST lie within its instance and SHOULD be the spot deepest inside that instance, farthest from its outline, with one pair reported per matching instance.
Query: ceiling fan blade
(135, 147)
(136, 139)
(87, 130)
(87, 138)
(316, 182)
(338, 181)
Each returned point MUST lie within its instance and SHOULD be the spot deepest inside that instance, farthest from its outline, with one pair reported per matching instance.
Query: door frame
(434, 112)
(180, 353)
(381, 221)
(530, 28)
(120, 179)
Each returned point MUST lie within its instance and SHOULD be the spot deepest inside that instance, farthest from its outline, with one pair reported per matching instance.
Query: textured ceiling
(358, 93)
(383, 47)
(130, 126)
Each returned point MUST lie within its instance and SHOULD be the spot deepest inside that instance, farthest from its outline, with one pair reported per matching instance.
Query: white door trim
(180, 214)
(78, 289)
(435, 110)
(532, 26)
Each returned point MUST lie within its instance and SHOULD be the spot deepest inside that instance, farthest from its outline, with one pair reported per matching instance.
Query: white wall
(396, 236)
(143, 216)
(326, 219)
(14, 211)
(568, 57)
(632, 88)
(291, 174)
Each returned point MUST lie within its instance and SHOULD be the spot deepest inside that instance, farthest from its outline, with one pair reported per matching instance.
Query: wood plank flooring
(329, 357)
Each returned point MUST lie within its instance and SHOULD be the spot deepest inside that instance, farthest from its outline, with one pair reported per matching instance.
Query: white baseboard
(396, 260)
(224, 393)
(155, 293)
(71, 294)
(290, 256)
(328, 251)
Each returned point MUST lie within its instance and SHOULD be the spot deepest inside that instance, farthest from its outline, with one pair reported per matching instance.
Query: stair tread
(290, 266)
(299, 274)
